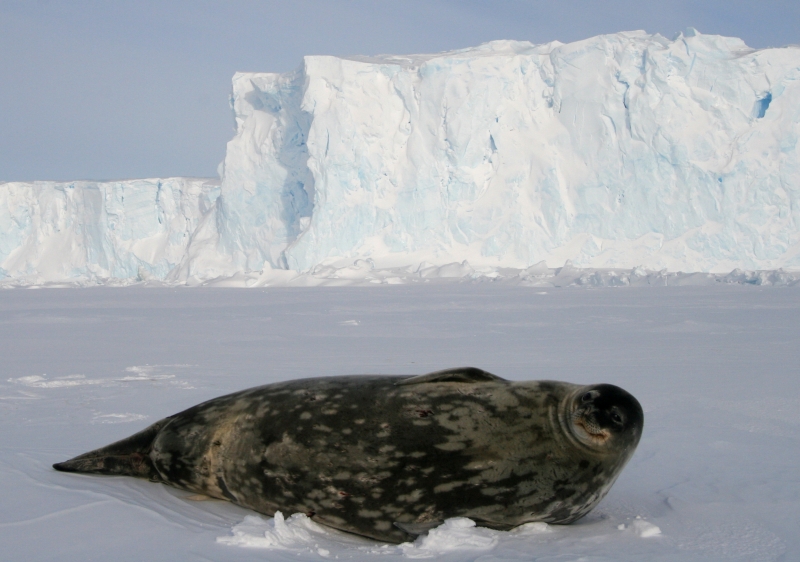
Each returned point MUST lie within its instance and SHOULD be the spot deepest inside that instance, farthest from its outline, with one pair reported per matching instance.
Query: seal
(390, 457)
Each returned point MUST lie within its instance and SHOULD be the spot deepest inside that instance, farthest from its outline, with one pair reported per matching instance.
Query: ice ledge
(362, 273)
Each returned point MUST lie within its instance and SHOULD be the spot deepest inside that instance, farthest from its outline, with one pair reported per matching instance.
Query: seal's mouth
(588, 430)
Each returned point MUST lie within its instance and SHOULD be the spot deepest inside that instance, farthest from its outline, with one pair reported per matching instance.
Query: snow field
(714, 478)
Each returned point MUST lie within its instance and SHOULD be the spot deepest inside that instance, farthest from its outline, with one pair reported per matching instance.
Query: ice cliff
(125, 230)
(617, 151)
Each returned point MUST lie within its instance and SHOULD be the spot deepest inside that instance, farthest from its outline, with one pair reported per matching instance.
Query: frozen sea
(715, 476)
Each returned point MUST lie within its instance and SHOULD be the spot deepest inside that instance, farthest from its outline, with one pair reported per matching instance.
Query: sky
(96, 90)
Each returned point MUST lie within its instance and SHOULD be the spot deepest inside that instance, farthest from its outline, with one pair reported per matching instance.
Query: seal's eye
(586, 397)
(616, 418)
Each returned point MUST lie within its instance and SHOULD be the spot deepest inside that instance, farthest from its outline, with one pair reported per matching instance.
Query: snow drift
(617, 151)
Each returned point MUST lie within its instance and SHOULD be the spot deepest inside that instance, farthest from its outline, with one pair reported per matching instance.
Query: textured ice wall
(98, 231)
(268, 186)
(618, 151)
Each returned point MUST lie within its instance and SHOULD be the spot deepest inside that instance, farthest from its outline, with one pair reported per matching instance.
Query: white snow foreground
(300, 535)
(715, 369)
(619, 151)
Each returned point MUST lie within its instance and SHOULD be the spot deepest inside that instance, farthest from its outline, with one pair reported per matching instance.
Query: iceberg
(620, 151)
(101, 231)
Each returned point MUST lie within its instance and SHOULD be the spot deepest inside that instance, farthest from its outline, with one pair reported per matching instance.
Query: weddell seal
(390, 457)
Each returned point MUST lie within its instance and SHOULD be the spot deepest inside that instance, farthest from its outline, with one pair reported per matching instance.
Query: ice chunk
(458, 533)
(642, 528)
(301, 535)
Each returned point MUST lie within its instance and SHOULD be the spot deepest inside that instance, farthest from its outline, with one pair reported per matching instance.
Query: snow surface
(619, 151)
(714, 478)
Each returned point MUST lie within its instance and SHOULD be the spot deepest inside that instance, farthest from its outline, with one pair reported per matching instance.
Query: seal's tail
(128, 457)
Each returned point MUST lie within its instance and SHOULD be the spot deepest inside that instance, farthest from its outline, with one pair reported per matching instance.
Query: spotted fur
(389, 456)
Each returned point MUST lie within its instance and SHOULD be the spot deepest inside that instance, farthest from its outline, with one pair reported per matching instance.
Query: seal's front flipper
(128, 457)
(200, 498)
(417, 528)
(458, 374)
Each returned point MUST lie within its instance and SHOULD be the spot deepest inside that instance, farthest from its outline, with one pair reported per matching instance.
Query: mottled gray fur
(390, 456)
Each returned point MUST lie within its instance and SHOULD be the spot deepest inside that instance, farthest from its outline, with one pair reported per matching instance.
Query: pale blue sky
(95, 89)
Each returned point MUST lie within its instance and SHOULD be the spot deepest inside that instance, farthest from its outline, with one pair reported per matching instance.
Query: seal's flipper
(459, 374)
(128, 457)
(201, 498)
(417, 528)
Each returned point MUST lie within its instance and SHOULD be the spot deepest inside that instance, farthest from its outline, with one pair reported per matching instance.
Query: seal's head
(605, 418)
